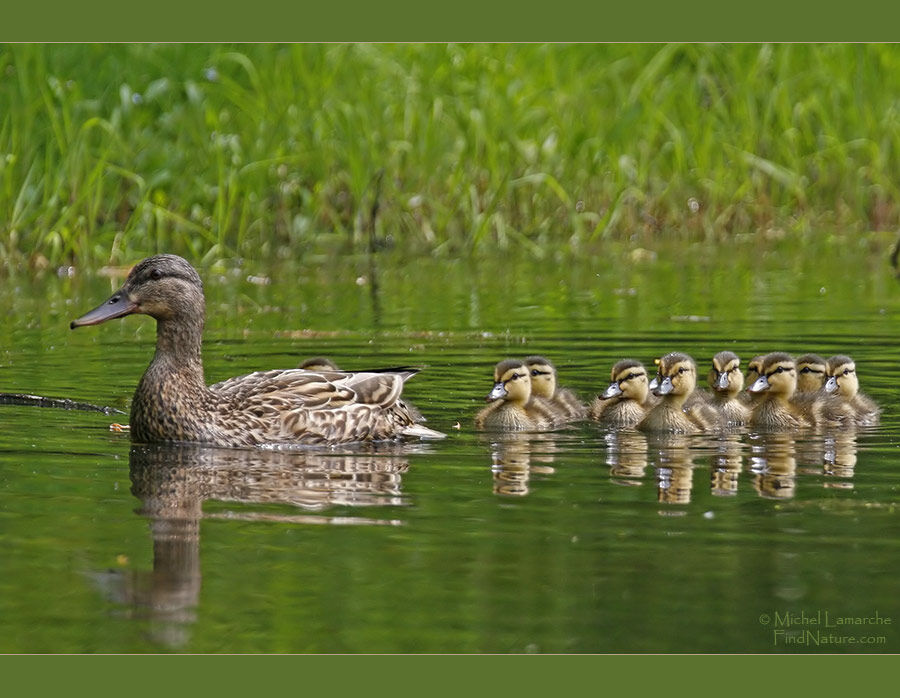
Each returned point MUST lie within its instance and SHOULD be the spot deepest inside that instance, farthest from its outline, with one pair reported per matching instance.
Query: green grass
(111, 152)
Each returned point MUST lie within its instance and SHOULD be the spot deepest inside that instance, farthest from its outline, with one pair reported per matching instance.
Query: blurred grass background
(112, 152)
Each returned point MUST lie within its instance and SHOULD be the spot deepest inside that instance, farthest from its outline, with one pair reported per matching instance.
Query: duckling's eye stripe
(536, 372)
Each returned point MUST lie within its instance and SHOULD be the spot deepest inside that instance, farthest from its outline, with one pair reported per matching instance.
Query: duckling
(677, 380)
(778, 408)
(754, 370)
(319, 363)
(726, 381)
(172, 402)
(843, 382)
(543, 385)
(627, 399)
(810, 373)
(513, 407)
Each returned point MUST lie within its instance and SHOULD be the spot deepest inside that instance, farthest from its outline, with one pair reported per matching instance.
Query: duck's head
(842, 378)
(777, 376)
(165, 287)
(810, 373)
(677, 375)
(725, 375)
(543, 376)
(628, 380)
(512, 382)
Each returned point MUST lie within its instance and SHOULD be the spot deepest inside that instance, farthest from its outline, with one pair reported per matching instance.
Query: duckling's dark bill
(117, 306)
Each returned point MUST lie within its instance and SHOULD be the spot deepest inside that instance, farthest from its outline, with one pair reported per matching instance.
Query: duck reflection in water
(173, 482)
(675, 467)
(840, 458)
(774, 465)
(626, 456)
(516, 456)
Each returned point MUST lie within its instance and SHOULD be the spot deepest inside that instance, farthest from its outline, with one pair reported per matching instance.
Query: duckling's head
(778, 375)
(543, 376)
(319, 363)
(810, 373)
(677, 375)
(725, 375)
(628, 380)
(165, 287)
(842, 378)
(754, 370)
(654, 383)
(512, 382)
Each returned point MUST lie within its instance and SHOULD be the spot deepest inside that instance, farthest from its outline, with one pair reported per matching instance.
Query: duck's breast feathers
(316, 390)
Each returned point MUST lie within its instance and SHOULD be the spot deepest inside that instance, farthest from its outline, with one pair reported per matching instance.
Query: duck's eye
(848, 371)
(155, 274)
(780, 369)
(682, 369)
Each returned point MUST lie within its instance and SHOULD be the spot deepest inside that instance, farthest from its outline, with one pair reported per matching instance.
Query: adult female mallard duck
(563, 401)
(513, 408)
(172, 402)
(627, 399)
(726, 381)
(676, 411)
(843, 382)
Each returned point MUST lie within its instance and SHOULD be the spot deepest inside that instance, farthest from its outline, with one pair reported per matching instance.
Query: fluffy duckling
(677, 380)
(627, 399)
(810, 373)
(778, 381)
(562, 401)
(726, 381)
(512, 406)
(843, 382)
(319, 363)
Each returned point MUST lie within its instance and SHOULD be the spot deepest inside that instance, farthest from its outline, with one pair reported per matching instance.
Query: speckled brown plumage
(172, 402)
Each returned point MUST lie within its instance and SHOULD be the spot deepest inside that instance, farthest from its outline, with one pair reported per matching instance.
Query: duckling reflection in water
(676, 412)
(726, 381)
(513, 408)
(627, 399)
(843, 382)
(563, 402)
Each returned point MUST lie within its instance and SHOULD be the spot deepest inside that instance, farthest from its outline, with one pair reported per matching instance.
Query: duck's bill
(761, 384)
(831, 385)
(497, 393)
(665, 387)
(722, 381)
(612, 391)
(118, 305)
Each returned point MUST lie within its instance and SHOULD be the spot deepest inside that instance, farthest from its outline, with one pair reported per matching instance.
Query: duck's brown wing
(297, 388)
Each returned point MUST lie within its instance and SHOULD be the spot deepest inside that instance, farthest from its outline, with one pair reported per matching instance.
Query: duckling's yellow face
(842, 378)
(810, 373)
(629, 382)
(778, 377)
(512, 383)
(725, 376)
(543, 378)
(754, 369)
(678, 375)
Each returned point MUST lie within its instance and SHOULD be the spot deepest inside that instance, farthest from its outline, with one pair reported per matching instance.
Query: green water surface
(580, 540)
